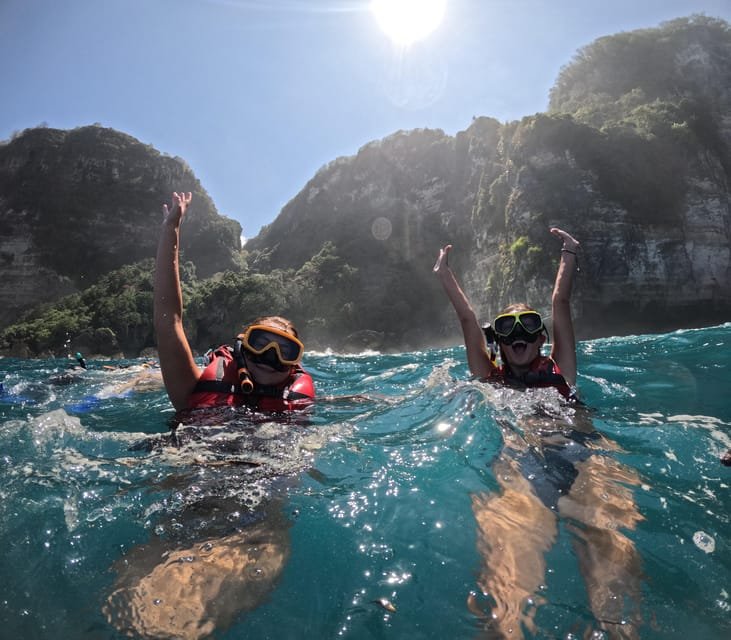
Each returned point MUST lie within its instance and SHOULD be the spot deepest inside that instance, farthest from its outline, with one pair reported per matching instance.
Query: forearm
(168, 297)
(564, 340)
(564, 278)
(478, 359)
(457, 297)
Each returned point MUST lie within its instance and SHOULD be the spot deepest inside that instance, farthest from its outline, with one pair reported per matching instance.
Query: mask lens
(270, 357)
(258, 340)
(504, 325)
(531, 321)
(524, 323)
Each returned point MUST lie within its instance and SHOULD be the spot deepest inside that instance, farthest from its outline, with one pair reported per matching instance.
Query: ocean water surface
(410, 503)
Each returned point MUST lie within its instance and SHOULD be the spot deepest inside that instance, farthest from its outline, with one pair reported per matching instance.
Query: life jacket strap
(215, 386)
(221, 386)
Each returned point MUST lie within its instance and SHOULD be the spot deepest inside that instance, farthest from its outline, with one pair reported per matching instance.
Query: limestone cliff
(77, 204)
(633, 158)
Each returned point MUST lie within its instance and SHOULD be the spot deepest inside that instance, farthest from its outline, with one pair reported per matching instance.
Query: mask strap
(491, 339)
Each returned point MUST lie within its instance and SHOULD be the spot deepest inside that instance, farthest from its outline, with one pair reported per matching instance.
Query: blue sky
(257, 95)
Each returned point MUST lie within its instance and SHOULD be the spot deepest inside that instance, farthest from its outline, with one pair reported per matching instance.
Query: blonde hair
(515, 307)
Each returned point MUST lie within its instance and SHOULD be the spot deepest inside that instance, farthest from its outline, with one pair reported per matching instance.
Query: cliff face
(633, 158)
(77, 204)
(638, 271)
(387, 211)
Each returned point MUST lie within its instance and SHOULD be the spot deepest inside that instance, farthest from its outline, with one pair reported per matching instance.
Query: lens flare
(408, 21)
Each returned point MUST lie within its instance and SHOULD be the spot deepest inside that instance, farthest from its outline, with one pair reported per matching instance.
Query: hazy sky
(257, 95)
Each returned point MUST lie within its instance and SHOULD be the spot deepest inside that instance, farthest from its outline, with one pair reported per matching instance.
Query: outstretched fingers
(442, 258)
(178, 206)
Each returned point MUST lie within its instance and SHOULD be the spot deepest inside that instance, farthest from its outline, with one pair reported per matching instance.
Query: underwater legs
(601, 503)
(190, 592)
(515, 529)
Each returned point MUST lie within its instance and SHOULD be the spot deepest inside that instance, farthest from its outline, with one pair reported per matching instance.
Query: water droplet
(704, 541)
(381, 228)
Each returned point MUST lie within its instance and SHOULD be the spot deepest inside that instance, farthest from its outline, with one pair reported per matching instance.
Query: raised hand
(443, 259)
(569, 242)
(179, 205)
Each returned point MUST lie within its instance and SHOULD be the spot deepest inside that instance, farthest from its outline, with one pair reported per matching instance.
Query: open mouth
(519, 347)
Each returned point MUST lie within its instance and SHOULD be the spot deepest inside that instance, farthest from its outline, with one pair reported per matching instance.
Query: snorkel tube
(245, 382)
(491, 340)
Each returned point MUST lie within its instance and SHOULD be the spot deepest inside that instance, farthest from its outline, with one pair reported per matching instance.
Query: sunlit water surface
(320, 528)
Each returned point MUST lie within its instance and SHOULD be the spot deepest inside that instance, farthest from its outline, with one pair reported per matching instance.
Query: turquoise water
(443, 496)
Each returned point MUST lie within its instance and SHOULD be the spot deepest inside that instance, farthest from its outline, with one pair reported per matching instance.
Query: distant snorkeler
(80, 360)
(554, 466)
(72, 373)
(261, 370)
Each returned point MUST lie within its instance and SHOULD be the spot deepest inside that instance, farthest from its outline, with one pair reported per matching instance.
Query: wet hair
(278, 322)
(515, 307)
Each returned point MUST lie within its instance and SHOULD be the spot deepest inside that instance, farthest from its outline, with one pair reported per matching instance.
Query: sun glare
(407, 21)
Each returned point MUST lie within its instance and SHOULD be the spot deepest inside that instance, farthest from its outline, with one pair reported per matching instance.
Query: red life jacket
(218, 386)
(543, 372)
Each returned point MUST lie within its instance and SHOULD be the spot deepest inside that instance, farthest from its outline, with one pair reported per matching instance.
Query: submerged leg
(601, 504)
(191, 592)
(514, 529)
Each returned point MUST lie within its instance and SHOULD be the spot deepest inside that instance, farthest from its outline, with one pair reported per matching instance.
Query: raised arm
(563, 350)
(478, 358)
(179, 370)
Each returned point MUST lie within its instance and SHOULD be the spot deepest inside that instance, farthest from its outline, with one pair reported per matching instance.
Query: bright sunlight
(406, 21)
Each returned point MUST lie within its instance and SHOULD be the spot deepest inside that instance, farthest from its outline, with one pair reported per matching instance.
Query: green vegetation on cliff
(633, 157)
(87, 201)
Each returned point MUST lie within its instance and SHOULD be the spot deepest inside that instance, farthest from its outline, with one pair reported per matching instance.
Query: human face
(270, 353)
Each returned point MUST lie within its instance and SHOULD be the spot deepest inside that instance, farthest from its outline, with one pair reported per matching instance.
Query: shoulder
(302, 385)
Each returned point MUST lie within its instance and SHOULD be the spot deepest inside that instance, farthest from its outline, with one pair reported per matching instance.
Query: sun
(407, 21)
